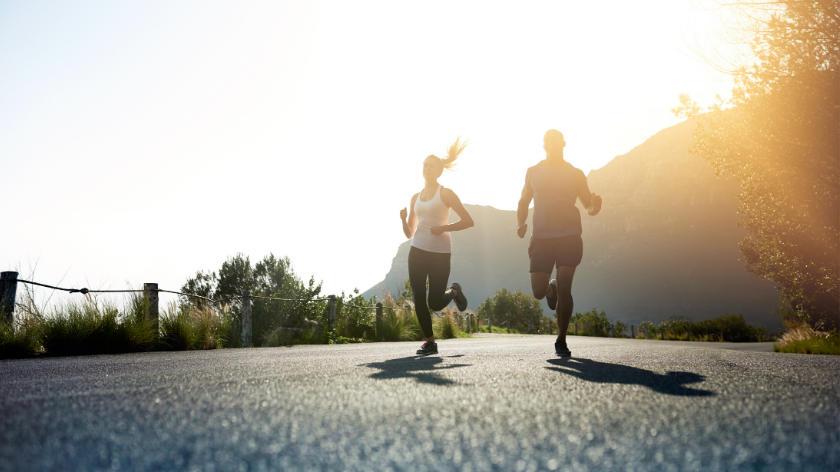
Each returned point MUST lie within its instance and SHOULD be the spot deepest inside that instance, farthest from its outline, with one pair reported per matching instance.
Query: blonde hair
(452, 154)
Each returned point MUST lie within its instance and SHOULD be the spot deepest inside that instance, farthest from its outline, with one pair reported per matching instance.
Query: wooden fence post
(467, 316)
(379, 315)
(632, 332)
(150, 291)
(247, 339)
(331, 304)
(8, 289)
(489, 328)
(575, 328)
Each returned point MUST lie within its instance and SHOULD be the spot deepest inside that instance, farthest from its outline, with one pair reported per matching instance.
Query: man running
(555, 185)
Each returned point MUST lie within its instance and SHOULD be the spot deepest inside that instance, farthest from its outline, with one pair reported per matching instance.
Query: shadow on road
(672, 383)
(420, 368)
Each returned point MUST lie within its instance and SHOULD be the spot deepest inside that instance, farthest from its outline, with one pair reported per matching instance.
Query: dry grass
(802, 338)
(189, 327)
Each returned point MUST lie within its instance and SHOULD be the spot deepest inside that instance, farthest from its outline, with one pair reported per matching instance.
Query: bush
(723, 328)
(591, 323)
(620, 329)
(445, 326)
(90, 328)
(17, 342)
(801, 338)
(191, 327)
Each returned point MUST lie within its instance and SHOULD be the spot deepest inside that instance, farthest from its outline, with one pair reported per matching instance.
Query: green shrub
(811, 346)
(591, 323)
(802, 338)
(444, 326)
(21, 341)
(80, 328)
(191, 327)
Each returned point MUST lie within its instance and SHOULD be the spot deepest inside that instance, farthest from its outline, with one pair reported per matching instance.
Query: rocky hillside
(665, 243)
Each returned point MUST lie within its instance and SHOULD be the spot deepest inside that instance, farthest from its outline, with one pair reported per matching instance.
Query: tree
(781, 140)
(520, 309)
(271, 277)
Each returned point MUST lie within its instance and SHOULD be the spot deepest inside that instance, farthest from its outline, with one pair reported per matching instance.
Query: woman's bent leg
(417, 272)
(439, 296)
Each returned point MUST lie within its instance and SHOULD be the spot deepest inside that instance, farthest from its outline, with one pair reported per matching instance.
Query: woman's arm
(410, 226)
(452, 201)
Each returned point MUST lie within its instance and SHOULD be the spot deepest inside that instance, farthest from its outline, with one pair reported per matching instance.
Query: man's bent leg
(565, 303)
(539, 283)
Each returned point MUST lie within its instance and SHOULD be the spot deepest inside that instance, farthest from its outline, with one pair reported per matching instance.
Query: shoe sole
(460, 290)
(563, 355)
(553, 284)
(424, 354)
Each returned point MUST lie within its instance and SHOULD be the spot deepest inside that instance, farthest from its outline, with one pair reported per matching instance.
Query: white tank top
(429, 214)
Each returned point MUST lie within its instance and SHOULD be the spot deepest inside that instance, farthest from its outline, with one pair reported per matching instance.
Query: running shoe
(552, 302)
(562, 351)
(427, 348)
(460, 299)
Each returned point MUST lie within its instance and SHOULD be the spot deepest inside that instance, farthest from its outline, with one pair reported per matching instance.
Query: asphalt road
(490, 403)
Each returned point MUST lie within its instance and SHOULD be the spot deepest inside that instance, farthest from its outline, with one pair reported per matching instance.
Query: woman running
(431, 247)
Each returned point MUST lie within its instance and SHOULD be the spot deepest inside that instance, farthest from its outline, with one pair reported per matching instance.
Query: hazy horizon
(144, 141)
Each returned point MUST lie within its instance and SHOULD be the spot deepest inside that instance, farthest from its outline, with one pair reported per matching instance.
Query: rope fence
(9, 281)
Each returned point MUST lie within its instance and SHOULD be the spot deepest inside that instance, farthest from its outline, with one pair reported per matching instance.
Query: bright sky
(142, 141)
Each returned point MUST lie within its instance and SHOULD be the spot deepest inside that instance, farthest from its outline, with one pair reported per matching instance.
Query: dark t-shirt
(555, 193)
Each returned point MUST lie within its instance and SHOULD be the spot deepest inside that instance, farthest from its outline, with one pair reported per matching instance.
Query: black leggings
(435, 266)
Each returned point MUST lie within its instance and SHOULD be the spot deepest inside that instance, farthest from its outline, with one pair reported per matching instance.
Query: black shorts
(546, 253)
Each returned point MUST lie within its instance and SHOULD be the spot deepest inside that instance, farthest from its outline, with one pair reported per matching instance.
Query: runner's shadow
(672, 383)
(421, 369)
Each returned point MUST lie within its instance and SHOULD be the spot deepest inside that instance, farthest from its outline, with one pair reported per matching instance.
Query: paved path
(491, 403)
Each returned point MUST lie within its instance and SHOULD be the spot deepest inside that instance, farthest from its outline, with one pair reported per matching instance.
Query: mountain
(664, 244)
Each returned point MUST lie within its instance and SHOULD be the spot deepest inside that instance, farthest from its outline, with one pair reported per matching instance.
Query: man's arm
(522, 209)
(589, 200)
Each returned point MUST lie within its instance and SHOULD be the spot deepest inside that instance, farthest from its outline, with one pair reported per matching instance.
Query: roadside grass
(498, 330)
(307, 336)
(801, 338)
(194, 327)
(20, 341)
(90, 327)
(445, 327)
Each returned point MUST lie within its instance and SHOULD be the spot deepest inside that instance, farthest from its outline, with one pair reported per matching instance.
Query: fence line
(9, 281)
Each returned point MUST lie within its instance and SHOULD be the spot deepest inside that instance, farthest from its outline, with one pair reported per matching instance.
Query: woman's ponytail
(455, 150)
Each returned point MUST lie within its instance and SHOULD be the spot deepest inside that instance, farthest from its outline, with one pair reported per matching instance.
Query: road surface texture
(501, 403)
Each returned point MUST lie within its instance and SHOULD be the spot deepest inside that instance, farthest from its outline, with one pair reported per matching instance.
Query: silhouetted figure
(431, 246)
(555, 185)
(422, 369)
(671, 383)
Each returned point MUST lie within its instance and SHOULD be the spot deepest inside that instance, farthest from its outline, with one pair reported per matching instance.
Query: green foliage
(732, 328)
(621, 329)
(811, 346)
(354, 318)
(520, 309)
(647, 330)
(781, 141)
(591, 323)
(88, 327)
(445, 326)
(802, 338)
(398, 324)
(17, 342)
(186, 327)
(270, 277)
